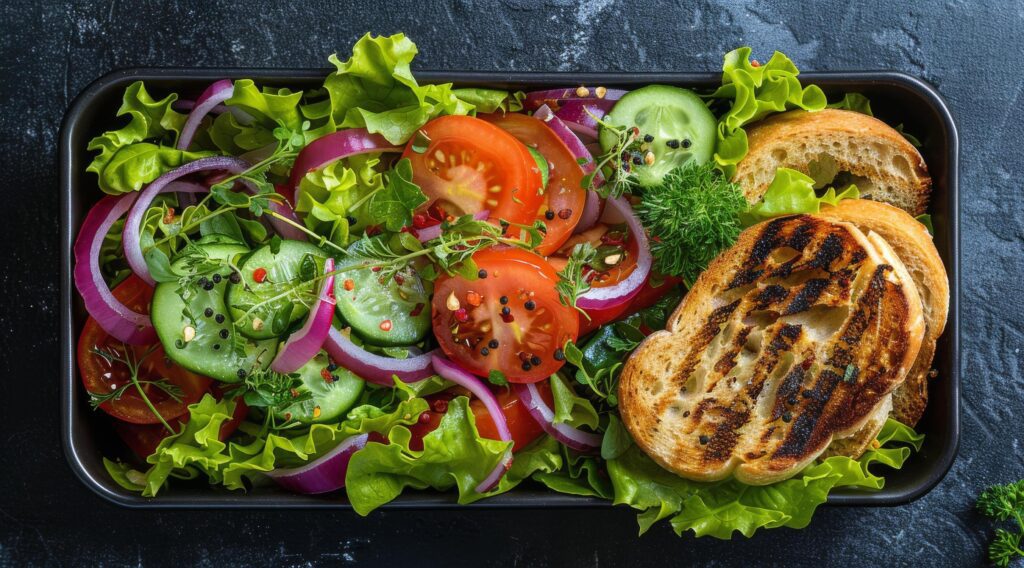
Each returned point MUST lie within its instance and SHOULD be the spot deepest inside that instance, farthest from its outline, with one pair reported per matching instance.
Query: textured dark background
(970, 50)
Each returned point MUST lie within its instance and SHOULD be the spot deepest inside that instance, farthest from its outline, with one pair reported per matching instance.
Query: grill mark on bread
(727, 361)
(769, 296)
(807, 296)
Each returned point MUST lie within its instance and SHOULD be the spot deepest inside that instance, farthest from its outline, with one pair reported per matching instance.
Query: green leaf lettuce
(791, 193)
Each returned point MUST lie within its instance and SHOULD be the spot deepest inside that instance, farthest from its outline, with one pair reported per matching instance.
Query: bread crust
(890, 168)
(705, 404)
(916, 248)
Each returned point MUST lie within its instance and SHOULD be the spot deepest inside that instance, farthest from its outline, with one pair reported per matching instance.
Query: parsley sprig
(112, 356)
(1003, 503)
(615, 164)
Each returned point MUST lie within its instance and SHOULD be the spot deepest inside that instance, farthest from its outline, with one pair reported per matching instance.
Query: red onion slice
(463, 378)
(333, 147)
(592, 206)
(305, 343)
(610, 296)
(133, 225)
(430, 233)
(214, 95)
(114, 317)
(327, 472)
(572, 437)
(581, 115)
(376, 368)
(591, 213)
(536, 99)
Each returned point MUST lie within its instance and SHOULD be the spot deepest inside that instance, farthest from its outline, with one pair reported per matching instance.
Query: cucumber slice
(671, 116)
(542, 165)
(333, 398)
(284, 270)
(212, 350)
(396, 312)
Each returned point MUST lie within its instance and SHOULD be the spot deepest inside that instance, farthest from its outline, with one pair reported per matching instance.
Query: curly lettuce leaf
(791, 193)
(453, 455)
(755, 92)
(855, 102)
(333, 200)
(375, 89)
(150, 119)
(491, 100)
(394, 205)
(722, 508)
(197, 449)
(569, 407)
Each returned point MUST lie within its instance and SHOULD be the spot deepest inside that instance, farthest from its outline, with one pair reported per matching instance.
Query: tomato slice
(521, 425)
(470, 165)
(102, 376)
(564, 196)
(613, 243)
(511, 320)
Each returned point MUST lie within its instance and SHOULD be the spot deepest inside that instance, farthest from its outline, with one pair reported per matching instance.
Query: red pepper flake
(436, 212)
(169, 217)
(755, 63)
(440, 406)
(565, 214)
(259, 275)
(473, 299)
(462, 315)
(411, 231)
(326, 375)
(295, 393)
(375, 269)
(349, 285)
(399, 279)
(373, 230)
(419, 221)
(417, 310)
(385, 325)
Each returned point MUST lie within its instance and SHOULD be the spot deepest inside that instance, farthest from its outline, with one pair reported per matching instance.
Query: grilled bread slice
(915, 247)
(790, 339)
(883, 164)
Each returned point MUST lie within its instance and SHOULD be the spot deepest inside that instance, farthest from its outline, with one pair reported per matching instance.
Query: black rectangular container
(896, 98)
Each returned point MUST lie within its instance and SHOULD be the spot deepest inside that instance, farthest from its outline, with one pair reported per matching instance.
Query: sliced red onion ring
(114, 317)
(556, 97)
(133, 225)
(214, 95)
(581, 115)
(305, 343)
(591, 213)
(463, 378)
(572, 437)
(327, 472)
(610, 296)
(333, 147)
(376, 368)
(430, 233)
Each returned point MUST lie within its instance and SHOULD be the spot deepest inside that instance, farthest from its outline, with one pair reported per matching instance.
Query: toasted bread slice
(915, 247)
(879, 160)
(790, 339)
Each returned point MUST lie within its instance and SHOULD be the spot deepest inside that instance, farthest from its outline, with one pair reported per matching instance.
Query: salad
(378, 285)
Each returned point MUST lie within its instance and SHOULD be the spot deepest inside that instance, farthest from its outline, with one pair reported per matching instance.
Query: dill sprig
(134, 364)
(691, 217)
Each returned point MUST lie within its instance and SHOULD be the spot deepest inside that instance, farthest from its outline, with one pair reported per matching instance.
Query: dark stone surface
(49, 52)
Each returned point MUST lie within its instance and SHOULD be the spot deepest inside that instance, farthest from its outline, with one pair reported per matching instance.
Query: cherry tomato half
(510, 319)
(564, 195)
(101, 375)
(470, 165)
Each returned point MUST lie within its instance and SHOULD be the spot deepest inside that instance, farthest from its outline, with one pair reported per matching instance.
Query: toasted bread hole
(901, 165)
(779, 154)
(753, 343)
(783, 255)
(820, 322)
(656, 387)
(759, 319)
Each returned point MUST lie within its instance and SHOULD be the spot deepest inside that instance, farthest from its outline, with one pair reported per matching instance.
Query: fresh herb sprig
(275, 392)
(289, 142)
(691, 217)
(616, 164)
(112, 356)
(572, 282)
(1003, 503)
